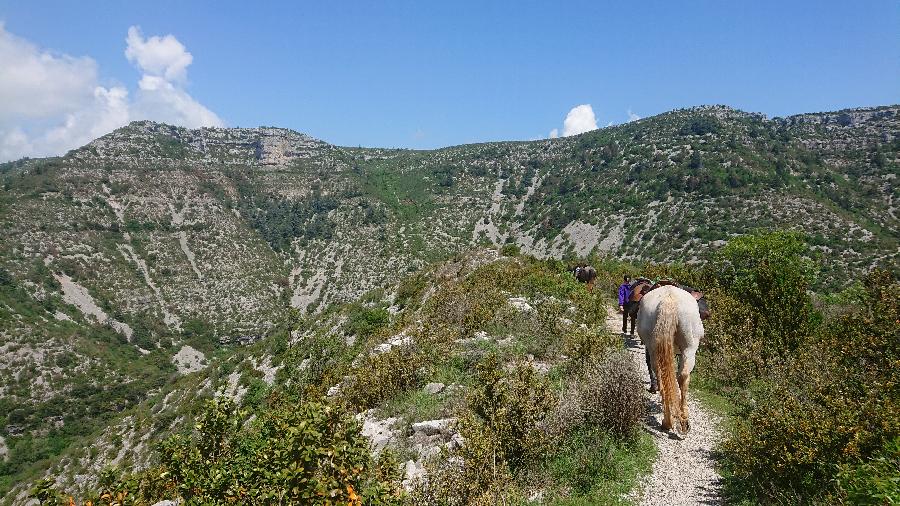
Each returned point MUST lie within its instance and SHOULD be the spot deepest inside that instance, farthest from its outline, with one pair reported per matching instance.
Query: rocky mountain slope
(154, 249)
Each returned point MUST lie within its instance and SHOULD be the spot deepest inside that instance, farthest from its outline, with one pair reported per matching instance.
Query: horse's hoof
(653, 389)
(685, 427)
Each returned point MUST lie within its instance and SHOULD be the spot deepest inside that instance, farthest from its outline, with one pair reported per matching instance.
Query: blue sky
(419, 74)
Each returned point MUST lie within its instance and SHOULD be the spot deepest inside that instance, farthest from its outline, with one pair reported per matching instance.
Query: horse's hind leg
(654, 383)
(685, 366)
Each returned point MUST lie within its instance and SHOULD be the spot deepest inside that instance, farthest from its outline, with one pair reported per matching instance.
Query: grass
(703, 390)
(592, 468)
(414, 405)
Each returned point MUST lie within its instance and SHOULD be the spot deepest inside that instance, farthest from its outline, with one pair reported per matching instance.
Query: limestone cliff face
(143, 141)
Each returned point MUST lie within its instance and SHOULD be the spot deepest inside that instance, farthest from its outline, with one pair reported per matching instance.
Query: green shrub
(410, 288)
(585, 345)
(510, 408)
(607, 393)
(503, 433)
(772, 273)
(384, 375)
(293, 454)
(595, 467)
(835, 402)
(874, 482)
(510, 250)
(365, 322)
(733, 354)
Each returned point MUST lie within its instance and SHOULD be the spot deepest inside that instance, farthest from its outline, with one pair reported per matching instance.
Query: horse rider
(626, 304)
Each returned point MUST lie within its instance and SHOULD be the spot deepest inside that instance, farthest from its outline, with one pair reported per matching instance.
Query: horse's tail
(664, 337)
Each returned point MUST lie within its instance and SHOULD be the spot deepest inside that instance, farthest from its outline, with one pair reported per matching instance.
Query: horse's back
(689, 326)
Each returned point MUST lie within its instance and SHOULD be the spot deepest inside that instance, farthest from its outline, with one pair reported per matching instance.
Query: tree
(771, 272)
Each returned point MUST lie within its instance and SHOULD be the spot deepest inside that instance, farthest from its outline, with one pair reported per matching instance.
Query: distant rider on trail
(626, 305)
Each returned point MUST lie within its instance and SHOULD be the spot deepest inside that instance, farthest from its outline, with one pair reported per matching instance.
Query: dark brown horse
(585, 274)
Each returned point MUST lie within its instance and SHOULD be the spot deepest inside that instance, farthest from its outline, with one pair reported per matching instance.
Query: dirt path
(684, 472)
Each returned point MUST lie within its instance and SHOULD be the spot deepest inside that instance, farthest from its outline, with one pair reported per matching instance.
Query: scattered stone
(188, 360)
(413, 472)
(378, 432)
(269, 371)
(434, 427)
(456, 441)
(400, 339)
(59, 315)
(521, 304)
(540, 367)
(479, 336)
(78, 296)
(433, 388)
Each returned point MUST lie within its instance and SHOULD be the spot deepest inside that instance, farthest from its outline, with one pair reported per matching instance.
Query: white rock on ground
(684, 471)
(520, 303)
(378, 432)
(413, 472)
(78, 296)
(479, 336)
(188, 360)
(398, 340)
(433, 388)
(434, 427)
(268, 371)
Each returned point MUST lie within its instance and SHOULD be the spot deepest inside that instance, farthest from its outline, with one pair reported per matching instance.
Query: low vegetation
(813, 380)
(532, 417)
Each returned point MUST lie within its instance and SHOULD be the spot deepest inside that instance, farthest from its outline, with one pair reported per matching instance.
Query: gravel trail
(684, 471)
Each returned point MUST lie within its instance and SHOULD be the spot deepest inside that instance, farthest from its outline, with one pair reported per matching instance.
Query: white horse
(669, 317)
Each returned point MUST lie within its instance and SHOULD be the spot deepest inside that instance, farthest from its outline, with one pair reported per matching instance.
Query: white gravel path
(684, 471)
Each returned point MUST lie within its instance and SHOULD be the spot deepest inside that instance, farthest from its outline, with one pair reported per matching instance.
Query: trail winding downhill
(684, 471)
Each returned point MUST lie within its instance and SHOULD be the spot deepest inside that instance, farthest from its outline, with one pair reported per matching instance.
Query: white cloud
(52, 102)
(632, 116)
(579, 120)
(158, 56)
(161, 100)
(554, 133)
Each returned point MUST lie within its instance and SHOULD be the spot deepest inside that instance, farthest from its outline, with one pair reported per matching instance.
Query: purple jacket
(624, 293)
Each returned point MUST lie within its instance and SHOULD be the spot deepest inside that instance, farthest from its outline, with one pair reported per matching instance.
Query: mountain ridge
(198, 239)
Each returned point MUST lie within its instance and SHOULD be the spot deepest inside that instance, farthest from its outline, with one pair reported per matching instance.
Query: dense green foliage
(307, 454)
(816, 388)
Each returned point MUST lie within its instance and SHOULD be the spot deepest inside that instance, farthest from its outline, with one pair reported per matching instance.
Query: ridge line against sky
(410, 75)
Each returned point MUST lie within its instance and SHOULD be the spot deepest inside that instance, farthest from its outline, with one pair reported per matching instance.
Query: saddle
(644, 286)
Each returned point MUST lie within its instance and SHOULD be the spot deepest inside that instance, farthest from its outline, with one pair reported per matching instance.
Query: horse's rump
(668, 323)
